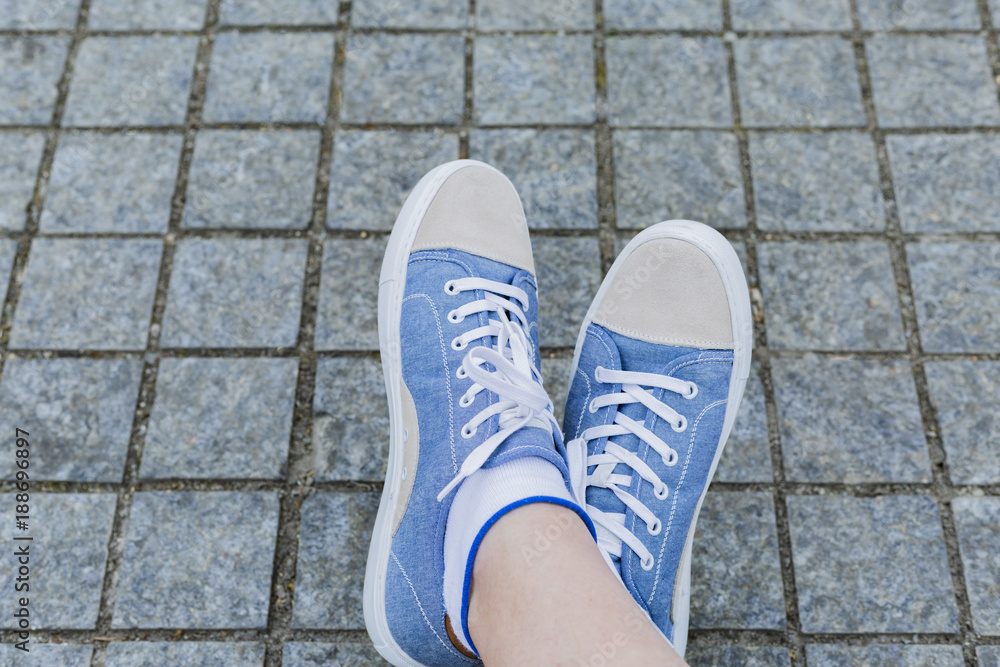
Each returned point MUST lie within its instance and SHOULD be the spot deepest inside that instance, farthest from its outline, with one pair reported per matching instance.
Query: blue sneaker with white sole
(458, 333)
(657, 377)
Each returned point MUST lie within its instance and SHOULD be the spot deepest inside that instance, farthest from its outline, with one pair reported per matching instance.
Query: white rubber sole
(719, 250)
(392, 283)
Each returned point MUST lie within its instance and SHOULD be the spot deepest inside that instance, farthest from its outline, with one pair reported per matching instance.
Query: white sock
(477, 500)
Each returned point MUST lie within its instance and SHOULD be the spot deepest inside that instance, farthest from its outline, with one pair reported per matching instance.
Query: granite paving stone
(46, 655)
(436, 14)
(150, 86)
(269, 77)
(78, 411)
(977, 521)
(220, 418)
(350, 432)
(956, 287)
(932, 81)
(832, 655)
(373, 172)
(798, 81)
(791, 15)
(403, 79)
(348, 295)
(67, 571)
(569, 273)
(155, 654)
(989, 656)
(736, 570)
(8, 247)
(320, 654)
(850, 421)
(661, 175)
(830, 296)
(995, 11)
(235, 293)
(871, 565)
(555, 373)
(288, 12)
(29, 15)
(747, 456)
(554, 172)
(94, 294)
(816, 182)
(197, 559)
(250, 179)
(530, 15)
(30, 67)
(112, 183)
(528, 79)
(738, 656)
(333, 549)
(668, 81)
(146, 14)
(19, 158)
(923, 15)
(966, 398)
(663, 14)
(946, 182)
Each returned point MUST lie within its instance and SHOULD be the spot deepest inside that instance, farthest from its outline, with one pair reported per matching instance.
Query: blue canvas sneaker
(656, 381)
(458, 333)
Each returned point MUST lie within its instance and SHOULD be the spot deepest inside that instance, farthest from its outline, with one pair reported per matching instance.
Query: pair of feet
(657, 377)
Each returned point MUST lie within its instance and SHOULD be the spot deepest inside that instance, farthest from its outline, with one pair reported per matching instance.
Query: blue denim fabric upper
(696, 446)
(414, 599)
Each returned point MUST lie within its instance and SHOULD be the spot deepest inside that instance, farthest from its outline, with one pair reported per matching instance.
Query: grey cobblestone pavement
(194, 201)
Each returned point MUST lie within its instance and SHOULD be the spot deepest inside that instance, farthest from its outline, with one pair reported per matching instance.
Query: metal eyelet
(647, 565)
(655, 528)
(680, 427)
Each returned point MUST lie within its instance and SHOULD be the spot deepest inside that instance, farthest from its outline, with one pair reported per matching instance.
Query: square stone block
(289, 12)
(348, 295)
(154, 654)
(30, 68)
(747, 456)
(146, 14)
(924, 15)
(20, 154)
(432, 14)
(791, 14)
(31, 15)
(738, 656)
(319, 654)
(663, 14)
(569, 273)
(528, 15)
(876, 655)
(977, 521)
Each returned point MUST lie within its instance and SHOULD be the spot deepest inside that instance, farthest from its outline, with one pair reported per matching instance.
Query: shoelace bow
(514, 379)
(611, 530)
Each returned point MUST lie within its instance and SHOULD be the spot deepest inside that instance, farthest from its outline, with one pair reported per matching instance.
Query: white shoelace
(515, 378)
(611, 530)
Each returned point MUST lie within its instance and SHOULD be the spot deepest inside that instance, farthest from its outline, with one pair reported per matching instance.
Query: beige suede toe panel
(477, 211)
(668, 292)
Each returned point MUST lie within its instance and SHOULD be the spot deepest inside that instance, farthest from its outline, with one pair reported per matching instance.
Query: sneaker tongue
(629, 355)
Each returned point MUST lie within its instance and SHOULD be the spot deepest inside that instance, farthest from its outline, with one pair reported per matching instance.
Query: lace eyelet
(457, 345)
(679, 428)
(597, 373)
(591, 407)
(670, 460)
(647, 565)
(693, 391)
(449, 287)
(460, 373)
(655, 528)
(464, 402)
(454, 318)
(468, 433)
(662, 496)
